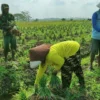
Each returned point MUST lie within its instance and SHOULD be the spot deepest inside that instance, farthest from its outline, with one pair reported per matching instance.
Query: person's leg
(6, 46)
(66, 74)
(13, 46)
(99, 55)
(79, 74)
(78, 69)
(99, 59)
(92, 56)
(5, 54)
(68, 68)
(94, 51)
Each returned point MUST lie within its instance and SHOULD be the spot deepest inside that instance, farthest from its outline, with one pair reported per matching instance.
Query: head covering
(3, 7)
(98, 5)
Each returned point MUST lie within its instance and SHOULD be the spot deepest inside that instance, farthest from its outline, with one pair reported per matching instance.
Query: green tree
(26, 15)
(23, 16)
(63, 19)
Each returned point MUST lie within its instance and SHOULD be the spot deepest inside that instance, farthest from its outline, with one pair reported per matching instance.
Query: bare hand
(55, 72)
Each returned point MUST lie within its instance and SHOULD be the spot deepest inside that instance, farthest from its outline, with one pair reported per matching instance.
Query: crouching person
(58, 57)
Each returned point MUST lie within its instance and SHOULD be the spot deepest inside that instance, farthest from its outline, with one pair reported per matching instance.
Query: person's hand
(16, 32)
(10, 30)
(54, 72)
(36, 89)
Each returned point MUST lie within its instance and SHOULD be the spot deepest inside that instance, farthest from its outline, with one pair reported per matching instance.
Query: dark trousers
(72, 64)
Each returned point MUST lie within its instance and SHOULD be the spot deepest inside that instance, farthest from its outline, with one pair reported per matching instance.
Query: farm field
(17, 78)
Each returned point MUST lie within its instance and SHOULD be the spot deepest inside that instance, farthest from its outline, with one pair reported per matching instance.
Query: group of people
(64, 56)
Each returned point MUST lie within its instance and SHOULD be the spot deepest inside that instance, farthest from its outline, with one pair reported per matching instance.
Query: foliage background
(17, 78)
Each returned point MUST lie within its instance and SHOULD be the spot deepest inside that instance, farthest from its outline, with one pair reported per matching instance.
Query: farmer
(95, 48)
(58, 57)
(7, 25)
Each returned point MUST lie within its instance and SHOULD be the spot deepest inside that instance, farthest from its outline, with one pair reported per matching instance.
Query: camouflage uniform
(72, 64)
(7, 22)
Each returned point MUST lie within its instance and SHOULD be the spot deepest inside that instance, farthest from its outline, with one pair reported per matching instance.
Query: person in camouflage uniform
(7, 23)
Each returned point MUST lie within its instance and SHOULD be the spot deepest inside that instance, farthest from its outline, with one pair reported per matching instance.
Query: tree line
(23, 16)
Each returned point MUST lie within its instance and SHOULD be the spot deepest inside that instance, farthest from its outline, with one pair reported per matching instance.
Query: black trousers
(72, 64)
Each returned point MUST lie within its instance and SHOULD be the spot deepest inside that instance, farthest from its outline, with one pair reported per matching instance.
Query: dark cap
(4, 6)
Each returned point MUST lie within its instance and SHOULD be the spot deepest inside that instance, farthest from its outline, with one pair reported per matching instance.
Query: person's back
(66, 48)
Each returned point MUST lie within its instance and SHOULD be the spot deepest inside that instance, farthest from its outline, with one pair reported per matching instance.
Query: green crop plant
(49, 32)
(44, 91)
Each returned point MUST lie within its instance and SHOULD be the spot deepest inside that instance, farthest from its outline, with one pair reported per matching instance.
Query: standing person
(95, 47)
(57, 56)
(7, 25)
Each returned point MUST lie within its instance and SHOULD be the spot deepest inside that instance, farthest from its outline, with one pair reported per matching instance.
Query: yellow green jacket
(56, 56)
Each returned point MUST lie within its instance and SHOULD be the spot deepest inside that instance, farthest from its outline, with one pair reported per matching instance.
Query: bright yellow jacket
(56, 56)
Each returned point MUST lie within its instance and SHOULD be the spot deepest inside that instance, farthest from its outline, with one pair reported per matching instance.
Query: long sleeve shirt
(96, 25)
(56, 56)
(7, 22)
(94, 21)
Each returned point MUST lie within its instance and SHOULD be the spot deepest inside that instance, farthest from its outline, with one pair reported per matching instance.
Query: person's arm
(0, 22)
(40, 72)
(39, 75)
(7, 25)
(11, 22)
(94, 19)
